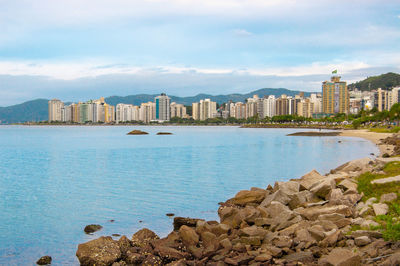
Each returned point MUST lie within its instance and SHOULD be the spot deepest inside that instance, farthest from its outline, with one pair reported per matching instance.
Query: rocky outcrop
(91, 228)
(45, 260)
(137, 132)
(304, 221)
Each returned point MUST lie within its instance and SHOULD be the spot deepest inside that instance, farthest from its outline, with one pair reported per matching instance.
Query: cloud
(241, 32)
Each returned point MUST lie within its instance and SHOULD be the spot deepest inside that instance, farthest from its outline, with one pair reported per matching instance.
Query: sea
(55, 180)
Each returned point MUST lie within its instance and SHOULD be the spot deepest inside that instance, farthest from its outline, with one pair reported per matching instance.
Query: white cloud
(241, 32)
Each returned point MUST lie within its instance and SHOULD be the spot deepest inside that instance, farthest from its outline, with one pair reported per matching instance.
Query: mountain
(141, 98)
(37, 110)
(384, 81)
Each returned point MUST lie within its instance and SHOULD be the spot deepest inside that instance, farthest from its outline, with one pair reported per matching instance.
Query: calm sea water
(56, 180)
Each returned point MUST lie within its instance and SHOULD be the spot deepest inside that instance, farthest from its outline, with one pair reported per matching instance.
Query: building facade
(335, 96)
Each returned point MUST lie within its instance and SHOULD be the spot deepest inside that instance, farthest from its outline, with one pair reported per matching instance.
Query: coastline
(374, 137)
(253, 229)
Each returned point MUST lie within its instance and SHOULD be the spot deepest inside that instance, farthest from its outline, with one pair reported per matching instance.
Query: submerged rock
(45, 260)
(91, 228)
(164, 133)
(137, 132)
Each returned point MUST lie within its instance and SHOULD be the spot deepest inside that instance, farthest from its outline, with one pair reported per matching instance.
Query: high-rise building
(381, 99)
(282, 105)
(204, 110)
(305, 108)
(316, 99)
(147, 112)
(269, 106)
(335, 96)
(178, 110)
(196, 111)
(163, 111)
(55, 107)
(394, 97)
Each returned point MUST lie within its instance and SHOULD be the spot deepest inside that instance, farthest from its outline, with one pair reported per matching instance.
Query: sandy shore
(371, 136)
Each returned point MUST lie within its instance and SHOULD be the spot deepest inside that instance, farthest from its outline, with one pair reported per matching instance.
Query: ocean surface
(56, 180)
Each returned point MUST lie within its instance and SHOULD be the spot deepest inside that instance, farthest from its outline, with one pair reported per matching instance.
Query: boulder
(370, 201)
(288, 187)
(143, 237)
(341, 257)
(276, 208)
(313, 212)
(389, 197)
(368, 223)
(346, 184)
(179, 221)
(245, 197)
(393, 179)
(134, 258)
(323, 187)
(380, 208)
(137, 132)
(359, 165)
(230, 216)
(263, 257)
(45, 260)
(220, 229)
(91, 228)
(331, 239)
(338, 219)
(304, 257)
(370, 234)
(253, 231)
(124, 244)
(100, 251)
(188, 235)
(362, 241)
(310, 179)
(317, 232)
(249, 214)
(278, 196)
(299, 199)
(169, 253)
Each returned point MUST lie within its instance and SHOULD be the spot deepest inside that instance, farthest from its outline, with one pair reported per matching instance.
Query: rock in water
(101, 251)
(91, 228)
(45, 260)
(164, 133)
(137, 132)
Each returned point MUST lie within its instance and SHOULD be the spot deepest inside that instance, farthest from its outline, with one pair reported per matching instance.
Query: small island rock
(45, 260)
(164, 133)
(137, 132)
(91, 228)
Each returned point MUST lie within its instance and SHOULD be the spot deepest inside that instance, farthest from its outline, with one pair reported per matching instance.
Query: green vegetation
(389, 224)
(384, 81)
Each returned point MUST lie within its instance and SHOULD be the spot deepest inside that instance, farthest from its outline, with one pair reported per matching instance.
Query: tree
(394, 113)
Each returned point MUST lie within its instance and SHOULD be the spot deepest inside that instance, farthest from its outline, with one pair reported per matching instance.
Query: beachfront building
(269, 106)
(335, 96)
(55, 107)
(381, 99)
(126, 113)
(178, 110)
(163, 111)
(316, 100)
(147, 112)
(203, 110)
(305, 108)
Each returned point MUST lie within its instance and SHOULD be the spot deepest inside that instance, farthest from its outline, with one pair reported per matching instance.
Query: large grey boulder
(380, 208)
(313, 212)
(102, 251)
(188, 235)
(389, 197)
(323, 187)
(310, 179)
(341, 257)
(245, 197)
(359, 165)
(393, 179)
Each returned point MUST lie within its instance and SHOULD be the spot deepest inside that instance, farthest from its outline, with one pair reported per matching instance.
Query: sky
(83, 49)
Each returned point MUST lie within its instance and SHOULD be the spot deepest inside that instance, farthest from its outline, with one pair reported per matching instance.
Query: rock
(91, 228)
(249, 214)
(330, 240)
(386, 180)
(179, 221)
(263, 257)
(368, 233)
(362, 241)
(368, 223)
(238, 260)
(310, 179)
(100, 251)
(245, 197)
(230, 216)
(143, 237)
(152, 260)
(226, 244)
(288, 187)
(338, 219)
(389, 197)
(305, 257)
(380, 208)
(124, 244)
(317, 232)
(346, 184)
(137, 132)
(341, 257)
(278, 196)
(134, 258)
(170, 214)
(221, 229)
(299, 199)
(370, 201)
(188, 235)
(359, 165)
(45, 260)
(322, 188)
(164, 133)
(394, 259)
(253, 231)
(169, 253)
(276, 208)
(313, 212)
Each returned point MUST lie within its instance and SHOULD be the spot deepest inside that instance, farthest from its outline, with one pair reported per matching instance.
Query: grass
(385, 130)
(389, 224)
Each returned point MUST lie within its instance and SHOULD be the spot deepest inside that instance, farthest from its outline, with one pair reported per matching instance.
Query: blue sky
(78, 50)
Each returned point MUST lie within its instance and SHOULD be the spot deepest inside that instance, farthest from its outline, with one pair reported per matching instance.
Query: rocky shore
(349, 216)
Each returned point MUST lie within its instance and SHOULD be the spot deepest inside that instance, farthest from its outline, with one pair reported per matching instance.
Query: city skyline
(78, 49)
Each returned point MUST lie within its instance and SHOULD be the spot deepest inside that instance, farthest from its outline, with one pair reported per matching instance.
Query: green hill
(384, 81)
(37, 110)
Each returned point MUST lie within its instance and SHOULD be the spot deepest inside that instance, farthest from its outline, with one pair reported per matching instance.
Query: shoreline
(276, 225)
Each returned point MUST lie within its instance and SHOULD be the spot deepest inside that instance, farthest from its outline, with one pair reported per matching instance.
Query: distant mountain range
(37, 110)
